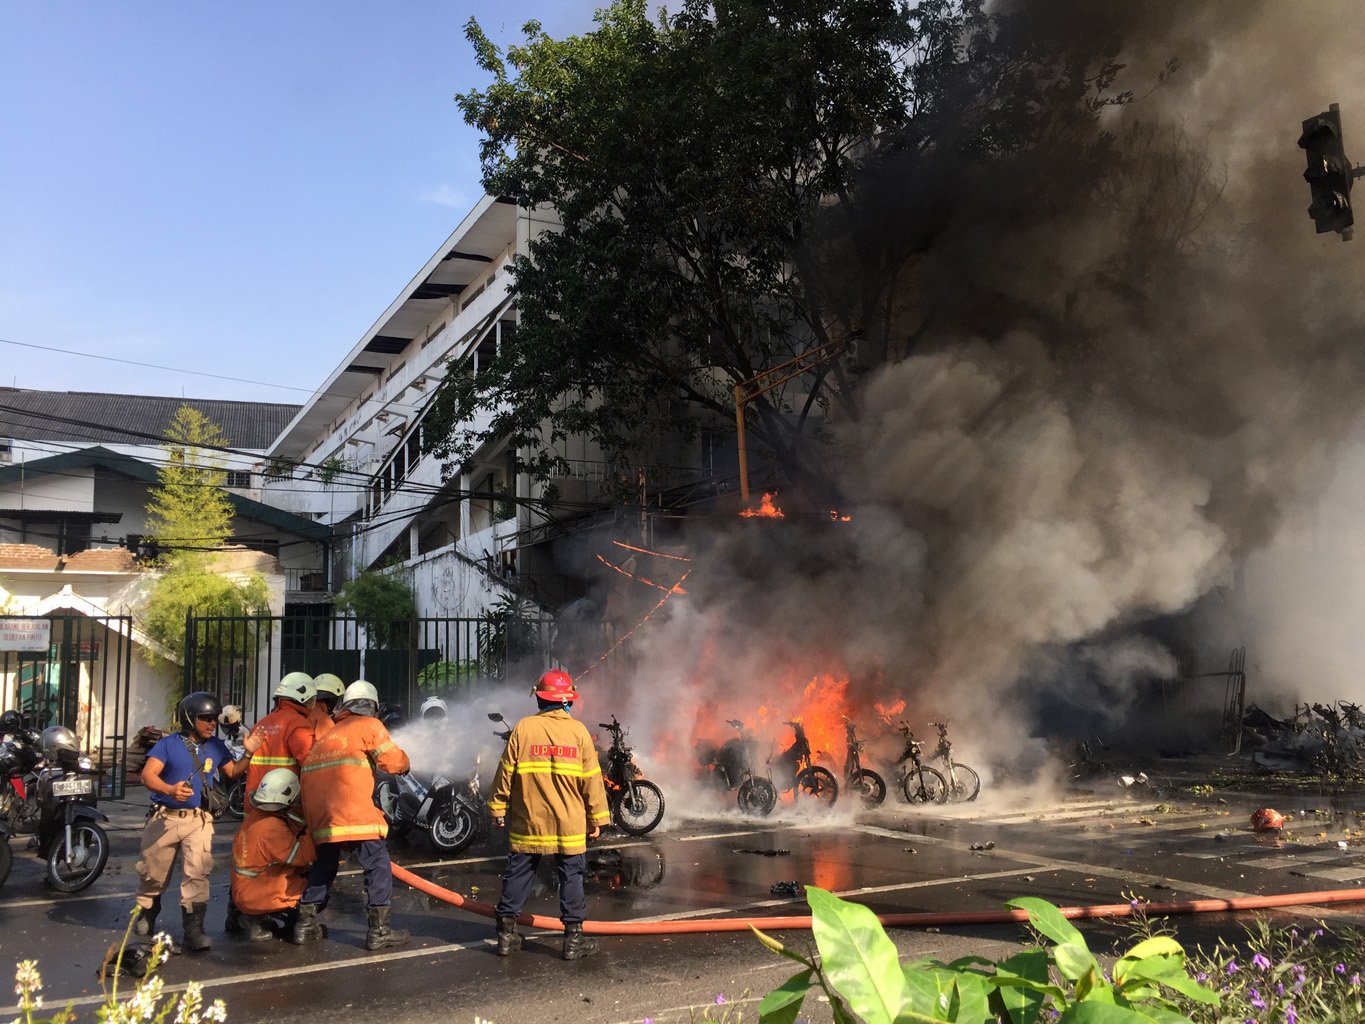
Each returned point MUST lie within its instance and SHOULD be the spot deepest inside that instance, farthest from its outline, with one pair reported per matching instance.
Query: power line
(155, 366)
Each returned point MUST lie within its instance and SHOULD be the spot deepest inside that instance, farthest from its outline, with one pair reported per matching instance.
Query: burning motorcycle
(731, 768)
(48, 788)
(870, 786)
(637, 805)
(796, 770)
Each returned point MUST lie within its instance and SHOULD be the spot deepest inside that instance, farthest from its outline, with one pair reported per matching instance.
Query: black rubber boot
(576, 944)
(233, 925)
(145, 925)
(306, 926)
(196, 939)
(253, 928)
(380, 935)
(509, 940)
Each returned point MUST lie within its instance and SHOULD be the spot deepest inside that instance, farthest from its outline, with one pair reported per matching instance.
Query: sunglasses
(206, 718)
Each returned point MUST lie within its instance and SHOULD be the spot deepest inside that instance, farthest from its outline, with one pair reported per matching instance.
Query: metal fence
(241, 658)
(77, 674)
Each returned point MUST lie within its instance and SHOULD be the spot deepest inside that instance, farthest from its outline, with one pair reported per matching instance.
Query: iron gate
(74, 672)
(241, 658)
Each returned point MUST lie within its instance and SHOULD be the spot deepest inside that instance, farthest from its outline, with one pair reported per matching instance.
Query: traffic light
(1329, 173)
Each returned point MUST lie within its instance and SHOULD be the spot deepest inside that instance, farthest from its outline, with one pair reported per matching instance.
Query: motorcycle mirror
(493, 716)
(735, 723)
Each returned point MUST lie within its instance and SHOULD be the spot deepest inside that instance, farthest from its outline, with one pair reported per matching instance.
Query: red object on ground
(1267, 819)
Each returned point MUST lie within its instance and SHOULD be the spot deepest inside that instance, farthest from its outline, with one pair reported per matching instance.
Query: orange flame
(887, 712)
(835, 517)
(766, 509)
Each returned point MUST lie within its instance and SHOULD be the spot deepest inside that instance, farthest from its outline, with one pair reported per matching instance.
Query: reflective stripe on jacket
(338, 779)
(549, 785)
(286, 737)
(271, 854)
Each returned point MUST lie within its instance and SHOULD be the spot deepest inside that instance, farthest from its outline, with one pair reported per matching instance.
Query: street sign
(34, 635)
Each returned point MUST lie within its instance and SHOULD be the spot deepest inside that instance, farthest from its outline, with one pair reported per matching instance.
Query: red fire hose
(917, 920)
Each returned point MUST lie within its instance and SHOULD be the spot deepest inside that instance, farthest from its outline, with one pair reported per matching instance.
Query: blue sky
(238, 188)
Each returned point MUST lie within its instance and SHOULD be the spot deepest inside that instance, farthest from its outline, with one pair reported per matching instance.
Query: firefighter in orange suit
(549, 796)
(338, 804)
(271, 854)
(283, 738)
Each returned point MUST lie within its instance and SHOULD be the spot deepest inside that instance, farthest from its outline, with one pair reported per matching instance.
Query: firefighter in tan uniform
(338, 804)
(549, 796)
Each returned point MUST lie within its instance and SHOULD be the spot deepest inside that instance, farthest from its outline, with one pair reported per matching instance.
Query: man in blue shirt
(177, 770)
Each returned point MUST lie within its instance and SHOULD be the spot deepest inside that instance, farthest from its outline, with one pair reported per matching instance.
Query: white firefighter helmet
(297, 686)
(435, 707)
(277, 790)
(329, 685)
(359, 692)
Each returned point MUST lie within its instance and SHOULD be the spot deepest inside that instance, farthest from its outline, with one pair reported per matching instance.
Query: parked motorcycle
(51, 791)
(637, 805)
(795, 770)
(410, 804)
(235, 788)
(870, 786)
(920, 783)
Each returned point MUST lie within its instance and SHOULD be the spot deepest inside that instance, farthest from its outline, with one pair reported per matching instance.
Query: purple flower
(720, 1000)
(1319, 933)
(1201, 977)
(1261, 961)
(1355, 980)
(1256, 1001)
(1279, 988)
(1340, 968)
(1290, 1017)
(647, 1020)
(1232, 967)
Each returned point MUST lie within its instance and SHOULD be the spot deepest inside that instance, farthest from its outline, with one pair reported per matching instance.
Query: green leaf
(858, 959)
(1101, 1013)
(1157, 945)
(782, 1004)
(1074, 961)
(929, 991)
(1146, 970)
(1047, 919)
(1021, 982)
(971, 1000)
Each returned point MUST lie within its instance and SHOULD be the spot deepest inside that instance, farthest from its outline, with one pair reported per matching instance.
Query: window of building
(238, 478)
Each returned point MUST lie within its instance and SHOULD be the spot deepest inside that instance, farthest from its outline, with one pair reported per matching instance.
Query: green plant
(148, 1001)
(1285, 975)
(383, 604)
(508, 634)
(189, 514)
(447, 675)
(332, 467)
(859, 971)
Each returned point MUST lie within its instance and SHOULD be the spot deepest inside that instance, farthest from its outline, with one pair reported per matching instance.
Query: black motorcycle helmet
(11, 723)
(195, 704)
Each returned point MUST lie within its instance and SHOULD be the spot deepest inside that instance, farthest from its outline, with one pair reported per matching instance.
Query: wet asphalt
(1104, 845)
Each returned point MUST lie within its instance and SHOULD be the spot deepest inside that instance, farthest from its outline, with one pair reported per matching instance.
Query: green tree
(189, 514)
(189, 517)
(744, 180)
(383, 605)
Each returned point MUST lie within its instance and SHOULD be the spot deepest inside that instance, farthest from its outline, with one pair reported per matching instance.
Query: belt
(176, 812)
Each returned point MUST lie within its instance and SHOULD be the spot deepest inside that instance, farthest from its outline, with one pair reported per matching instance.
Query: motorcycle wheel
(6, 859)
(968, 783)
(640, 808)
(91, 852)
(757, 797)
(817, 784)
(933, 790)
(870, 786)
(452, 828)
(236, 806)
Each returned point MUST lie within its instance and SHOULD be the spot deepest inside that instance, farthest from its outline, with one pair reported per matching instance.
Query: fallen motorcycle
(410, 804)
(637, 805)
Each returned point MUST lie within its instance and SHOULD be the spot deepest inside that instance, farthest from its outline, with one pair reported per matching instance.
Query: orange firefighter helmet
(556, 685)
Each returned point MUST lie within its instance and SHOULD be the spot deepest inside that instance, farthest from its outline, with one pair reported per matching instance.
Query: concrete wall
(69, 492)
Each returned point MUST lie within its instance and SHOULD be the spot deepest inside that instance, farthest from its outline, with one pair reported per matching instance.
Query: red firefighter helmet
(556, 685)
